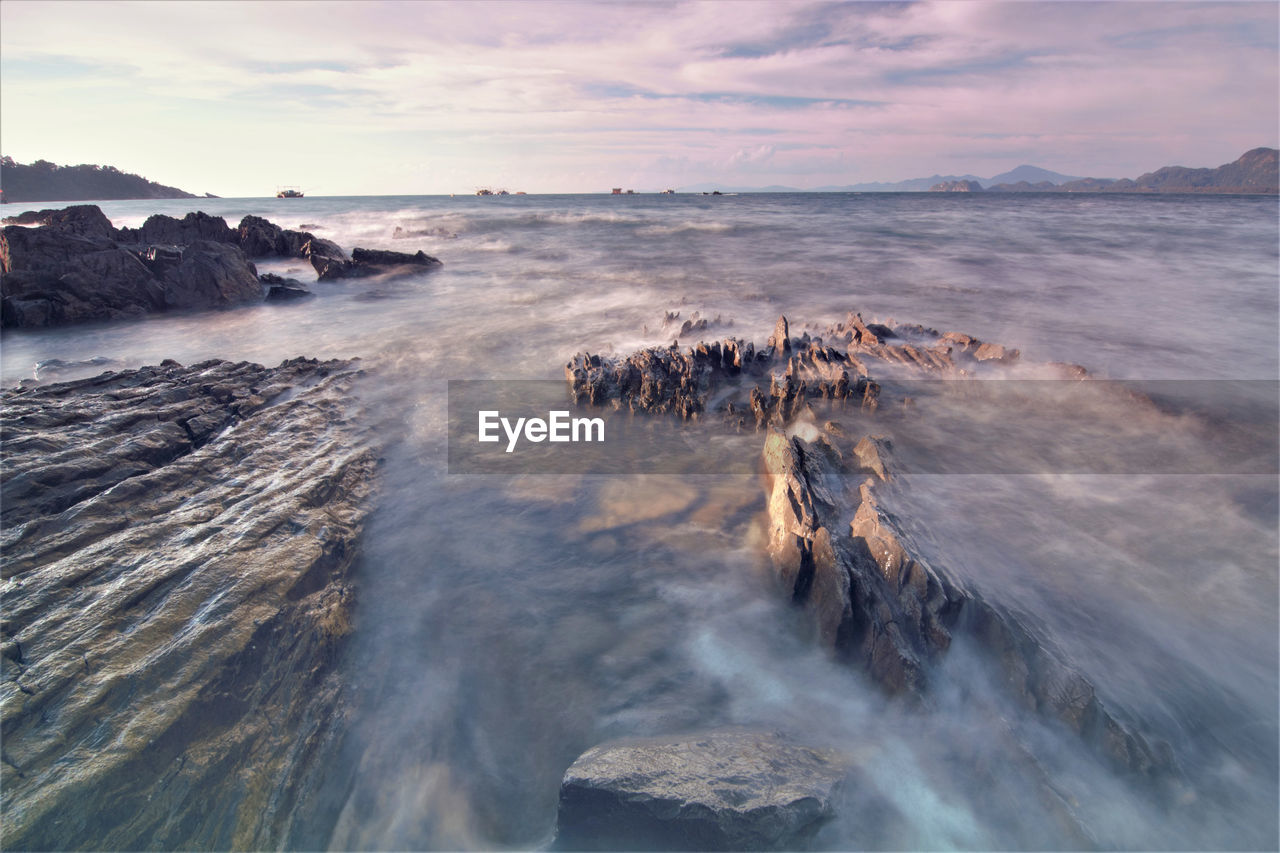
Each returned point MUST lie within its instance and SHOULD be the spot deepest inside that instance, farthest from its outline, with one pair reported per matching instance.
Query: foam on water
(508, 625)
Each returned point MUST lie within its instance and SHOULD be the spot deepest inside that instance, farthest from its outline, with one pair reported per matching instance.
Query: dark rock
(287, 292)
(210, 275)
(180, 232)
(52, 277)
(29, 217)
(878, 605)
(260, 238)
(161, 259)
(406, 233)
(86, 220)
(50, 368)
(366, 262)
(179, 545)
(668, 380)
(281, 289)
(721, 790)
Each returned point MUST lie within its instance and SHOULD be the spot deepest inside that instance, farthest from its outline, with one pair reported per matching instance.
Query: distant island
(1255, 172)
(45, 181)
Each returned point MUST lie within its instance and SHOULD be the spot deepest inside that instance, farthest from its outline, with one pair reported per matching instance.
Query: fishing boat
(288, 192)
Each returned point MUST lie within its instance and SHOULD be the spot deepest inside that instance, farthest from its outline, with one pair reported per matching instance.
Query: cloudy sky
(438, 97)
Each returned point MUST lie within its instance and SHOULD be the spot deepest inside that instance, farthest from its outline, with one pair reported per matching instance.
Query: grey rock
(780, 340)
(260, 238)
(84, 219)
(211, 275)
(719, 790)
(287, 290)
(52, 276)
(179, 544)
(878, 605)
(72, 269)
(366, 262)
(167, 230)
(686, 382)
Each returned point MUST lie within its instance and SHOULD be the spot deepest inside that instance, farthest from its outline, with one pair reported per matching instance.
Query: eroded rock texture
(366, 262)
(879, 605)
(721, 790)
(838, 551)
(775, 383)
(178, 544)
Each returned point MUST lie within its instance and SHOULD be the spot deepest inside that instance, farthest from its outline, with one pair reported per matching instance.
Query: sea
(508, 623)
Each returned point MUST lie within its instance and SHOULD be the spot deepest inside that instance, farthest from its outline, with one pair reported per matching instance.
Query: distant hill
(911, 185)
(45, 181)
(1257, 171)
(1030, 174)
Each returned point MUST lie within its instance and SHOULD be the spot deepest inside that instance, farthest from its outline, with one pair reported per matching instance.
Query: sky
(376, 98)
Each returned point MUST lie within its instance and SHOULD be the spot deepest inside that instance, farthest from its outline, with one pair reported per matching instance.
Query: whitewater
(506, 624)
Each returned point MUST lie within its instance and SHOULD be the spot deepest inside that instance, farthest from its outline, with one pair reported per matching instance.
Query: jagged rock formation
(366, 262)
(880, 606)
(874, 601)
(168, 231)
(722, 790)
(1256, 171)
(733, 372)
(75, 267)
(177, 584)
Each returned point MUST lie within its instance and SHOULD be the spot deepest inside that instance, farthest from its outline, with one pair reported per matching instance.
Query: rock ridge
(178, 583)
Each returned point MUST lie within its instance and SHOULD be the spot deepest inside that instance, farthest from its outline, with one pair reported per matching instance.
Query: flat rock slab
(177, 586)
(721, 790)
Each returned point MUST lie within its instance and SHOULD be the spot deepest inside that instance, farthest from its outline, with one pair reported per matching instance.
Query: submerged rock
(880, 606)
(837, 550)
(281, 289)
(178, 549)
(367, 262)
(720, 790)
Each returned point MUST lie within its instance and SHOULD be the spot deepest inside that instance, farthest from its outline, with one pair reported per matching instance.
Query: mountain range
(1254, 172)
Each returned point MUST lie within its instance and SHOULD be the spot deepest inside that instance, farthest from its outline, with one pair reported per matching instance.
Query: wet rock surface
(367, 262)
(720, 790)
(177, 585)
(838, 550)
(775, 384)
(74, 267)
(880, 606)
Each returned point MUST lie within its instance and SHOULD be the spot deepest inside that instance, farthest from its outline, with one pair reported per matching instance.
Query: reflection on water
(510, 622)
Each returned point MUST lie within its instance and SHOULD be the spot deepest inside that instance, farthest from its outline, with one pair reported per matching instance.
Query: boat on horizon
(288, 192)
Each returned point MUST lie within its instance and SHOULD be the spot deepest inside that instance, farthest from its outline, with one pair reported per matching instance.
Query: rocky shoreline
(179, 545)
(180, 552)
(841, 555)
(59, 267)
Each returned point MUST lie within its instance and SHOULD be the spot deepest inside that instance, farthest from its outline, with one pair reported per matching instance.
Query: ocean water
(509, 623)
